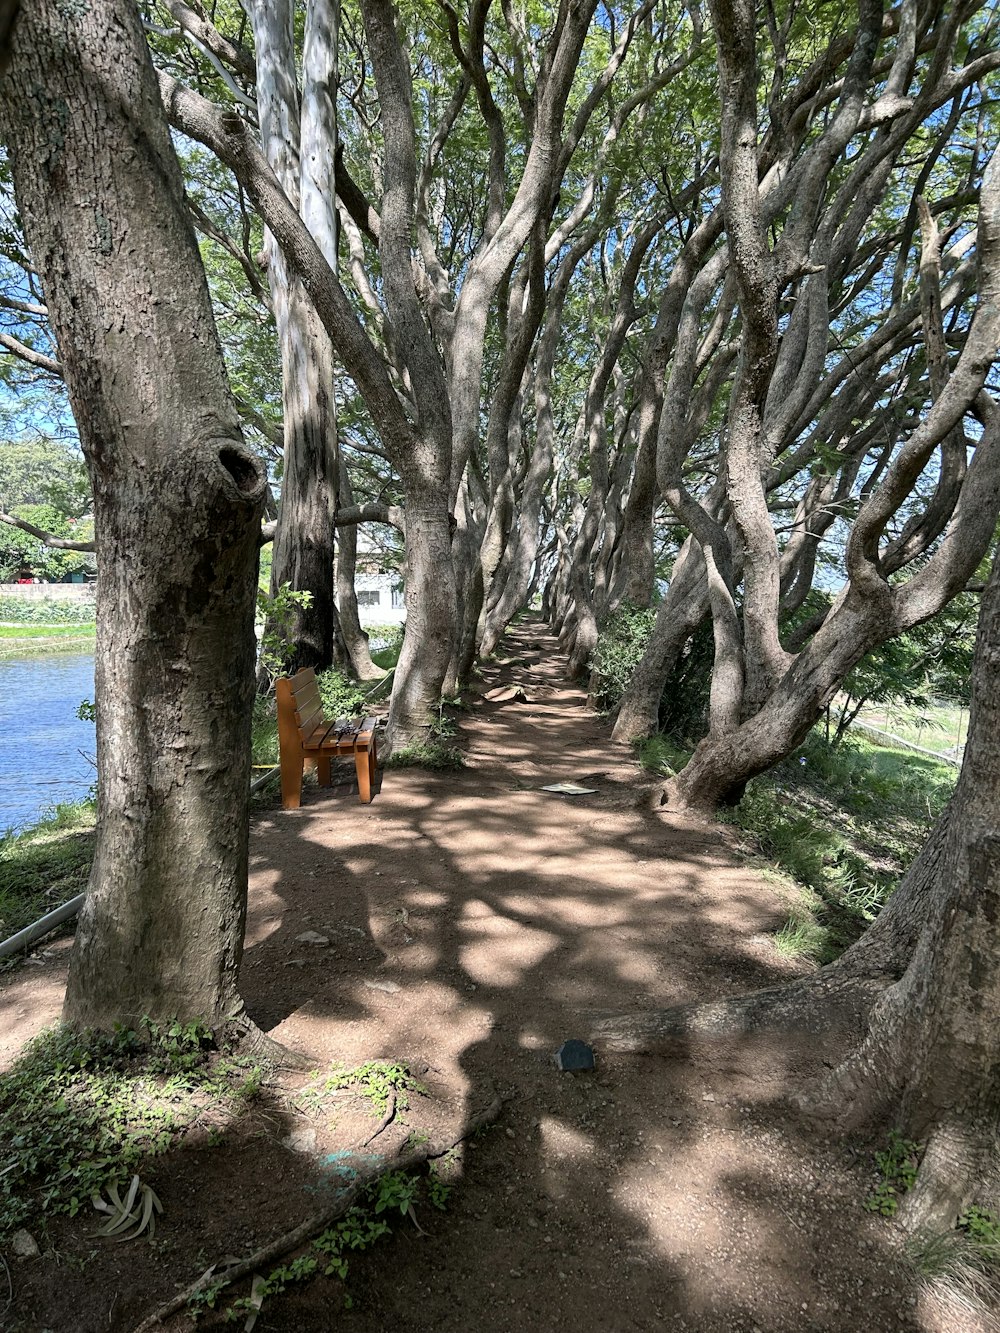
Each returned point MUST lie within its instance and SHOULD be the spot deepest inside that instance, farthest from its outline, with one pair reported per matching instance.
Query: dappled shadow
(471, 922)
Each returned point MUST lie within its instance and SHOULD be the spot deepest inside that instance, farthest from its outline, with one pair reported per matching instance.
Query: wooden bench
(305, 733)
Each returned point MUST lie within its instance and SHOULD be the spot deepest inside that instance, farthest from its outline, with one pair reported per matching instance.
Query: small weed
(375, 1079)
(897, 1166)
(982, 1227)
(360, 1227)
(438, 1190)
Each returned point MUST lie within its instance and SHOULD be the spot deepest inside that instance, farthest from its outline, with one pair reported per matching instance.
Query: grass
(427, 754)
(941, 727)
(45, 866)
(662, 755)
(844, 825)
(81, 1112)
(20, 640)
(963, 1265)
(840, 826)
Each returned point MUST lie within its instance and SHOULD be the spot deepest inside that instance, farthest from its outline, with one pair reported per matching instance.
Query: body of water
(45, 750)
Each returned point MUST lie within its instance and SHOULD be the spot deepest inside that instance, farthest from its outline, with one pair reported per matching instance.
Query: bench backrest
(301, 717)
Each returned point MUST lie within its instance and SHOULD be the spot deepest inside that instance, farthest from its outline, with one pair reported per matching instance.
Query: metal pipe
(68, 910)
(42, 927)
(259, 782)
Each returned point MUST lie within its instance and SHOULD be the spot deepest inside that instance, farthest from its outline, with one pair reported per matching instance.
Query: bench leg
(291, 781)
(323, 775)
(362, 763)
(372, 761)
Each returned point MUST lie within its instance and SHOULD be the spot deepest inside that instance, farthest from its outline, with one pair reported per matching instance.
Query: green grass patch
(45, 866)
(662, 755)
(25, 640)
(80, 1113)
(843, 824)
(427, 754)
(941, 727)
(47, 631)
(374, 1080)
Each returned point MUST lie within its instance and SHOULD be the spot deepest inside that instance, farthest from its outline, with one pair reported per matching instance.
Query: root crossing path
(469, 922)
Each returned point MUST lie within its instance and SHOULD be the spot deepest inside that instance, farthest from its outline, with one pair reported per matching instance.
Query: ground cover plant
(81, 1112)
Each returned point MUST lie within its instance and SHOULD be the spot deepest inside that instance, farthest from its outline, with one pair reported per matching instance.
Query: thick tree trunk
(178, 500)
(430, 612)
(934, 1041)
(300, 144)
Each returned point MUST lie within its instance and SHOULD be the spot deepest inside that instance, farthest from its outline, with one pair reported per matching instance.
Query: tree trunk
(430, 612)
(355, 639)
(178, 499)
(300, 147)
(933, 1045)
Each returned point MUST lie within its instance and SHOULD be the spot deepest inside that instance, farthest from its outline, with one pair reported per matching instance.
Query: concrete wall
(53, 592)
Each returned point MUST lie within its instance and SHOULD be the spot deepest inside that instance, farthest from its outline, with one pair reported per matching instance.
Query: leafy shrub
(620, 646)
(342, 695)
(47, 611)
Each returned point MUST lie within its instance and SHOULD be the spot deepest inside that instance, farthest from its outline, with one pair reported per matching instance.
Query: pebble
(390, 987)
(24, 1245)
(312, 937)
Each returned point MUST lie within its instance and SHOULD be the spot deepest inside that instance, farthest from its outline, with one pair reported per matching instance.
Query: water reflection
(44, 747)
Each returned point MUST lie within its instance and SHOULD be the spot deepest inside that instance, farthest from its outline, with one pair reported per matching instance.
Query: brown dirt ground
(653, 1193)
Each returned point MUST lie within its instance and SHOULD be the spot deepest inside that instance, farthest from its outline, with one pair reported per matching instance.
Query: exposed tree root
(390, 1111)
(362, 1171)
(248, 1039)
(822, 1004)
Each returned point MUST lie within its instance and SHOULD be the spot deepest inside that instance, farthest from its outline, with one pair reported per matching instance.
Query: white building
(380, 599)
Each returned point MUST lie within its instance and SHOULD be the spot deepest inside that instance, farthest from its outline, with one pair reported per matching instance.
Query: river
(45, 750)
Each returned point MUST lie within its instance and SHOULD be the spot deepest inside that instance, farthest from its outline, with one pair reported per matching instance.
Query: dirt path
(473, 922)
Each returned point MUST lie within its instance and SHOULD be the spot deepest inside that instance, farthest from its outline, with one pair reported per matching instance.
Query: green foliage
(897, 1166)
(931, 661)
(362, 1226)
(46, 611)
(43, 472)
(843, 822)
(620, 645)
(684, 702)
(438, 1190)
(660, 754)
(20, 549)
(278, 611)
(385, 643)
(342, 695)
(427, 754)
(45, 866)
(264, 730)
(79, 1112)
(982, 1227)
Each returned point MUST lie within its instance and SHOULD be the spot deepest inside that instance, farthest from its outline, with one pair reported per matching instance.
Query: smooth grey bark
(355, 638)
(298, 135)
(178, 499)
